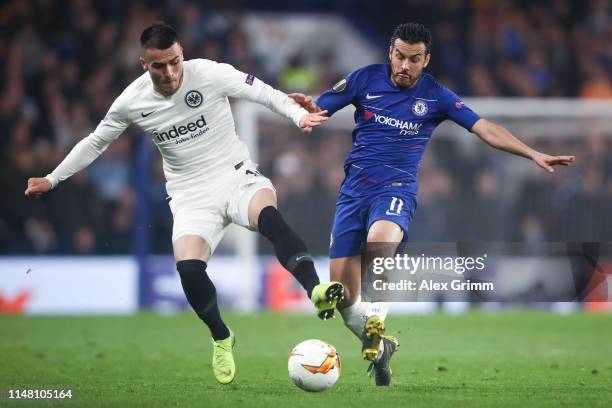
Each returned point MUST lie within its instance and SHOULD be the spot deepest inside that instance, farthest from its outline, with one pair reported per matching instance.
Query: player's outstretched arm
(84, 152)
(500, 138)
(81, 156)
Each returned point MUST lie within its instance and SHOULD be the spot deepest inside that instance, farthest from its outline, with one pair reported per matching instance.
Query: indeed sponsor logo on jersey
(407, 128)
(176, 131)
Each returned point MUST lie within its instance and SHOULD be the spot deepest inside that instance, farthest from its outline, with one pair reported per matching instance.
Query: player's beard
(404, 79)
(170, 87)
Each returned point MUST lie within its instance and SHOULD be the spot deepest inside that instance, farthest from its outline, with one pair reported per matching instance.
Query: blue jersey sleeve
(340, 95)
(455, 109)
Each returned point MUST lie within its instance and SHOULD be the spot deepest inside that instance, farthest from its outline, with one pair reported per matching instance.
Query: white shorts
(207, 210)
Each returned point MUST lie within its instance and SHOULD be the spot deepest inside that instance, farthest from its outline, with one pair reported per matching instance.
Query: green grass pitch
(507, 359)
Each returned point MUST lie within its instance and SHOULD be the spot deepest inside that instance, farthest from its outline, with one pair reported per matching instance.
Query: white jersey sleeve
(231, 82)
(89, 148)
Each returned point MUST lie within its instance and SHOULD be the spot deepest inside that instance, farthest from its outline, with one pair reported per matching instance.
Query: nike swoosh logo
(144, 115)
(299, 258)
(368, 96)
(224, 372)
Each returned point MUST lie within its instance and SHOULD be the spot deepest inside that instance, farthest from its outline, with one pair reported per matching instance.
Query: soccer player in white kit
(183, 106)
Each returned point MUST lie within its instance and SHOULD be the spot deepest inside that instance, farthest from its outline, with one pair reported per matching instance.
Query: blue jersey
(392, 126)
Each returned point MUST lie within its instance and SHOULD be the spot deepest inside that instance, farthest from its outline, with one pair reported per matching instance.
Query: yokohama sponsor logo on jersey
(176, 131)
(406, 127)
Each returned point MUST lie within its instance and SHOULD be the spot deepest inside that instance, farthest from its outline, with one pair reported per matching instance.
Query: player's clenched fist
(37, 186)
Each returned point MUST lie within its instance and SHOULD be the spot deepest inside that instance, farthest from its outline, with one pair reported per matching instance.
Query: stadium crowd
(62, 63)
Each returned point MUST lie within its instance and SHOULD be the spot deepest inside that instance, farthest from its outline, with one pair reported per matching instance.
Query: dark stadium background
(63, 63)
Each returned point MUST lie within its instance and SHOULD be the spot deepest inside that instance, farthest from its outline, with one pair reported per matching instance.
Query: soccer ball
(314, 365)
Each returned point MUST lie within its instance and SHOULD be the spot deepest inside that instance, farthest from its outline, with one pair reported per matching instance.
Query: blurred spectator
(531, 230)
(298, 77)
(482, 212)
(596, 84)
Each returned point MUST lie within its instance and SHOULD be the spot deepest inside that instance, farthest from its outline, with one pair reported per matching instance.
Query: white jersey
(193, 128)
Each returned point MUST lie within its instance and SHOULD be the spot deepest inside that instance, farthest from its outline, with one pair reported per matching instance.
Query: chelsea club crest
(419, 107)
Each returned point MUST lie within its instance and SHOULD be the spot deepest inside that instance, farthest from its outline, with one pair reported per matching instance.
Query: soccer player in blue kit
(397, 109)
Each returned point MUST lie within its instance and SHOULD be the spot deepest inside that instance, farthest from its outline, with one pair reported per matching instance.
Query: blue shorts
(355, 215)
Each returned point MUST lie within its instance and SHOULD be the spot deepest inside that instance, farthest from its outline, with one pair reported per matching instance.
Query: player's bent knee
(191, 247)
(385, 231)
(263, 198)
(384, 236)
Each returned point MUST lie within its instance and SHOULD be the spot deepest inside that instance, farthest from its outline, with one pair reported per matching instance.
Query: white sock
(355, 317)
(379, 309)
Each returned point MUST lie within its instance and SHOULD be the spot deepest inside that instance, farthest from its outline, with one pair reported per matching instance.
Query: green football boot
(223, 364)
(325, 297)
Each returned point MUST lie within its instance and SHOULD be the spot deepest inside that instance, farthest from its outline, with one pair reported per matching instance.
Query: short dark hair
(160, 36)
(413, 33)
